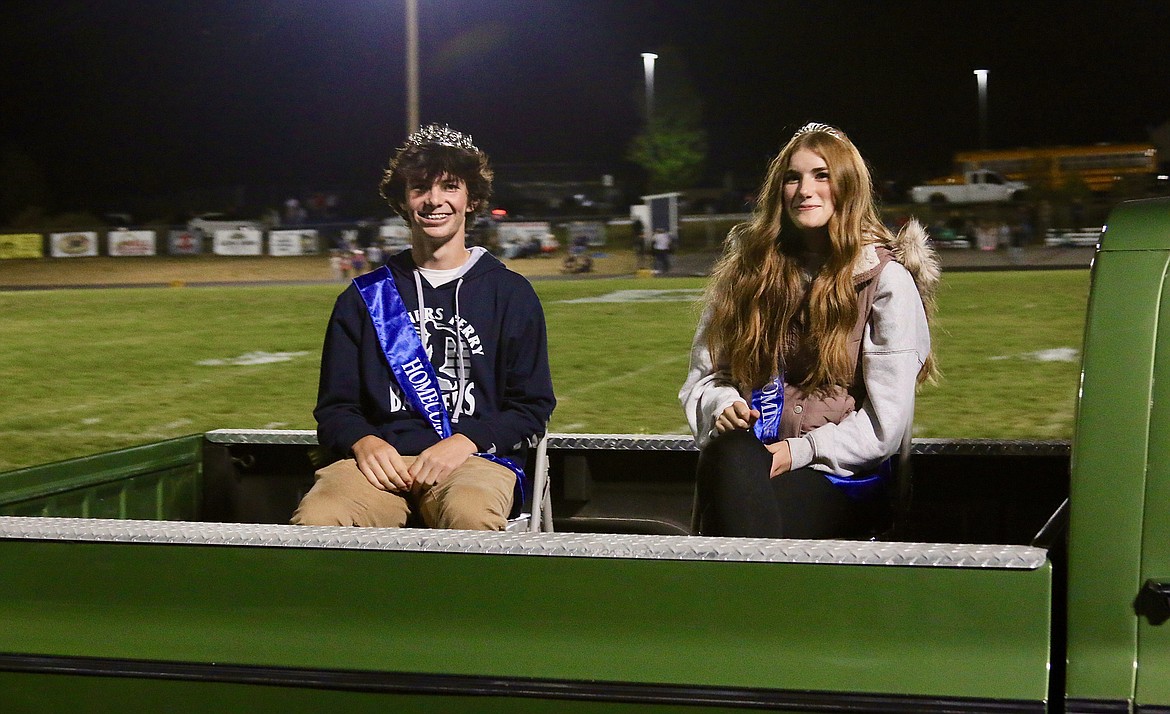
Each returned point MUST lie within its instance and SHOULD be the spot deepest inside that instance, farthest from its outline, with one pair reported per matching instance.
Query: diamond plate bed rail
(991, 447)
(571, 545)
(613, 442)
(622, 442)
(299, 437)
(674, 442)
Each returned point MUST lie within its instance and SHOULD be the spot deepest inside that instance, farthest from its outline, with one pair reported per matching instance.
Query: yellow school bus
(1100, 166)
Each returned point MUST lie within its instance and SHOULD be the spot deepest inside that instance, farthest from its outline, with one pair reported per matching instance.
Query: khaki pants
(475, 496)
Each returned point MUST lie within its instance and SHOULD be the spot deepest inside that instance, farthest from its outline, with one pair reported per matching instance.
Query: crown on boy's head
(441, 135)
(816, 126)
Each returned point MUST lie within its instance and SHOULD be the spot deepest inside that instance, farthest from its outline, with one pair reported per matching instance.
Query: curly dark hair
(413, 165)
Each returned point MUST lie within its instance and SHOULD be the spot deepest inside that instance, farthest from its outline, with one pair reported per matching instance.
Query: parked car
(206, 224)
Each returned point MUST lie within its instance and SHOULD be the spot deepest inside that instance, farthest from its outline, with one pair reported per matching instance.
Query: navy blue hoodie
(490, 355)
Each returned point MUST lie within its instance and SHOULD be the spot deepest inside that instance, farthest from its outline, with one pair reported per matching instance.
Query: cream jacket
(895, 341)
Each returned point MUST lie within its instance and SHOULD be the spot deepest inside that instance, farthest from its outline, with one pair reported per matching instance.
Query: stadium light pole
(411, 66)
(648, 66)
(981, 78)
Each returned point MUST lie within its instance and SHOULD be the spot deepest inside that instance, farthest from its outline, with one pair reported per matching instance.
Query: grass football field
(86, 371)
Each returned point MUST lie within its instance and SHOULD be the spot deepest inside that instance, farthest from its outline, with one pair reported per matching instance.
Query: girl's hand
(736, 416)
(781, 458)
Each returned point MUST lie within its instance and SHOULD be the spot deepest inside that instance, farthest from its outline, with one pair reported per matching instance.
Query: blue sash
(408, 361)
(769, 402)
(862, 487)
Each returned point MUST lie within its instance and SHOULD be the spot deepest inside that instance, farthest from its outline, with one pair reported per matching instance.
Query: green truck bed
(174, 578)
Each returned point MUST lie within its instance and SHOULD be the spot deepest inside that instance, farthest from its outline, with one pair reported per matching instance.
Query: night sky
(113, 98)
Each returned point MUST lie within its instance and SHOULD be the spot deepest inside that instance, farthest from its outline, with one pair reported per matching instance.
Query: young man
(434, 374)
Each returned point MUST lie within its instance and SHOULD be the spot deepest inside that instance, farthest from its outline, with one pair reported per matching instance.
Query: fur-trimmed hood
(912, 249)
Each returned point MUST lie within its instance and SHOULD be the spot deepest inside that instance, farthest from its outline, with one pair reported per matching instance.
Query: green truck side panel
(1110, 454)
(1153, 676)
(33, 694)
(159, 481)
(1138, 225)
(770, 625)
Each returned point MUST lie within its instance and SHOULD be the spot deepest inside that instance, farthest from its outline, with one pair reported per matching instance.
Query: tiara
(815, 126)
(433, 134)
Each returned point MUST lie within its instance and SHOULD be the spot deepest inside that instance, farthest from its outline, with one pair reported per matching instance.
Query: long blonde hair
(763, 307)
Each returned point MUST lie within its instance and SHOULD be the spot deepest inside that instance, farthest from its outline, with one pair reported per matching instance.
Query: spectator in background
(638, 239)
(1022, 228)
(662, 245)
(1044, 218)
(1004, 235)
(1016, 243)
(294, 213)
(317, 206)
(374, 256)
(985, 235)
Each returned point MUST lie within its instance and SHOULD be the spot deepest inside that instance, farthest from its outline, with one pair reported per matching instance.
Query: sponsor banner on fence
(522, 232)
(123, 243)
(238, 241)
(75, 244)
(519, 240)
(183, 242)
(21, 245)
(395, 237)
(592, 231)
(293, 242)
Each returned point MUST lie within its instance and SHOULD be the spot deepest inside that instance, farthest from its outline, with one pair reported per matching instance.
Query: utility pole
(648, 66)
(411, 66)
(981, 78)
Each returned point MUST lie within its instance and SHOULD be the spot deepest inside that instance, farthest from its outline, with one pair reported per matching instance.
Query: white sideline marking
(653, 366)
(251, 358)
(1056, 354)
(679, 295)
(151, 433)
(171, 426)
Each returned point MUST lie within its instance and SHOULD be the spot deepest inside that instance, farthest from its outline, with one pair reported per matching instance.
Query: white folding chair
(540, 517)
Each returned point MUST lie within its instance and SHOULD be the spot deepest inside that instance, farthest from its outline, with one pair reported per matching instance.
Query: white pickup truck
(206, 224)
(976, 186)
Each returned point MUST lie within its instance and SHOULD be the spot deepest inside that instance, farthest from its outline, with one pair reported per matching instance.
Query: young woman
(813, 339)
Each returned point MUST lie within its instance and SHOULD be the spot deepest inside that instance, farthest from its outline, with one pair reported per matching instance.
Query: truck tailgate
(246, 614)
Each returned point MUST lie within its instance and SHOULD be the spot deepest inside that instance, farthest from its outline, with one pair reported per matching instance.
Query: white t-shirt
(439, 278)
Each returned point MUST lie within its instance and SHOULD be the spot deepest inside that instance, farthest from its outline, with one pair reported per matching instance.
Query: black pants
(662, 260)
(737, 498)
